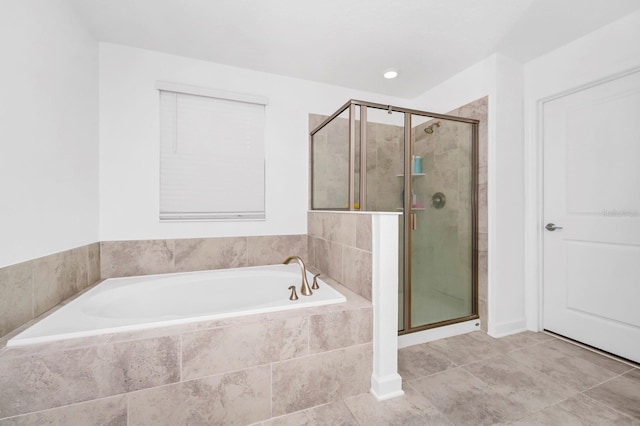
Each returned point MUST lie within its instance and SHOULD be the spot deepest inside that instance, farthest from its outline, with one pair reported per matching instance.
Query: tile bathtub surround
(110, 411)
(240, 397)
(41, 381)
(317, 379)
(144, 257)
(207, 352)
(340, 247)
(232, 371)
(30, 288)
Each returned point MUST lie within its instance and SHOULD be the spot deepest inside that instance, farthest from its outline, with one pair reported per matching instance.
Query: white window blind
(211, 155)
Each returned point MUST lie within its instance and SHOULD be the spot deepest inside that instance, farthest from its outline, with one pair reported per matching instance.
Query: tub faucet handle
(315, 285)
(294, 295)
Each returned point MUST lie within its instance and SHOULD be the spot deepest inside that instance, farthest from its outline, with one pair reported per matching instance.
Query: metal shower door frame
(407, 207)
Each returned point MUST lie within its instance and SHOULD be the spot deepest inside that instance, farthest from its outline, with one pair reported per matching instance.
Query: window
(211, 154)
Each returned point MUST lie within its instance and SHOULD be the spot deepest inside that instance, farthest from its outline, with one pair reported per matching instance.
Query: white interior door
(592, 190)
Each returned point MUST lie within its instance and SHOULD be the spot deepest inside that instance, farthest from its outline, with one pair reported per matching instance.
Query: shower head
(429, 129)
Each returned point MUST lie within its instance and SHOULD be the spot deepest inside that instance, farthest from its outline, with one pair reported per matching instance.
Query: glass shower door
(441, 257)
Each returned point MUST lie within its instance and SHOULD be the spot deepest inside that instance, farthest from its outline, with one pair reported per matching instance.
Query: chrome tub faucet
(304, 288)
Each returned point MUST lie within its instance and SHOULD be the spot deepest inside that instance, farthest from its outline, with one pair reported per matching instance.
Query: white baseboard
(438, 333)
(383, 388)
(508, 328)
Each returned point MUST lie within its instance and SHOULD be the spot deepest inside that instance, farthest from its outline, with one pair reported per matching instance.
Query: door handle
(552, 227)
(413, 221)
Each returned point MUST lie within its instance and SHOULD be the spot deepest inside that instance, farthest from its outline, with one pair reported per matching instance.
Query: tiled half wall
(234, 371)
(339, 245)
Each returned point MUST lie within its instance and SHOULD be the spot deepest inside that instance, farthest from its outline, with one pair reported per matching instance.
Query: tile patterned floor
(474, 379)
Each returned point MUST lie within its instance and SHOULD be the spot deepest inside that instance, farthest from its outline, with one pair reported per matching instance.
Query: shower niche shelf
(413, 208)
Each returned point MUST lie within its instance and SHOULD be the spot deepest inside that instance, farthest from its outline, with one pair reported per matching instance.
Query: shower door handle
(413, 221)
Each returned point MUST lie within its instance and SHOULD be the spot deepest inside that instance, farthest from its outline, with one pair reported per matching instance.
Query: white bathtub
(137, 303)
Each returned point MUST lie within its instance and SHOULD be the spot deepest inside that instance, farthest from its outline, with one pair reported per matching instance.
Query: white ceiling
(351, 42)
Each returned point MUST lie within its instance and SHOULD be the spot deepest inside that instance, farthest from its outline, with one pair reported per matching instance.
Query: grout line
(180, 361)
(602, 383)
(308, 335)
(409, 385)
(528, 346)
(89, 401)
(33, 289)
(353, 415)
(608, 406)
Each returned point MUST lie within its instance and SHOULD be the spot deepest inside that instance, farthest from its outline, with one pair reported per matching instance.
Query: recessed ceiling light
(389, 74)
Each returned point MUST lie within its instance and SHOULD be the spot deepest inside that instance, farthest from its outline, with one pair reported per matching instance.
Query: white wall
(129, 141)
(506, 202)
(601, 54)
(48, 130)
(473, 83)
(499, 78)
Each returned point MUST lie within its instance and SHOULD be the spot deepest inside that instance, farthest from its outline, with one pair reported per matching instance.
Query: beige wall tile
(483, 241)
(272, 249)
(237, 398)
(482, 275)
(39, 382)
(314, 224)
(357, 271)
(107, 411)
(16, 295)
(363, 232)
(233, 348)
(340, 329)
(93, 268)
(328, 258)
(58, 277)
(339, 228)
(301, 383)
(130, 258)
(482, 312)
(197, 254)
(311, 252)
(482, 208)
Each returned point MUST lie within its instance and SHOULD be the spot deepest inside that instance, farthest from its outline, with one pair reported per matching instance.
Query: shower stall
(374, 157)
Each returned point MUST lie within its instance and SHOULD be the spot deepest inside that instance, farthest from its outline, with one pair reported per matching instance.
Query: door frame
(534, 199)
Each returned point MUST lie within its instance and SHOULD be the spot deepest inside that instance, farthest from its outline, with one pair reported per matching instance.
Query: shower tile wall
(478, 110)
